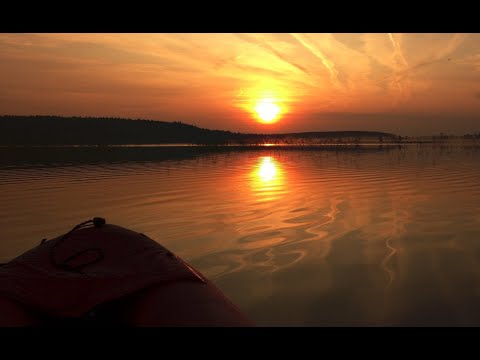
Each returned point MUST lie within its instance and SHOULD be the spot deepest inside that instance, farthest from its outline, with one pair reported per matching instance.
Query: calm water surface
(379, 236)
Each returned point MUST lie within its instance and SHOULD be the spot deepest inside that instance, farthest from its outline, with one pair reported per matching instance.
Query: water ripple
(314, 228)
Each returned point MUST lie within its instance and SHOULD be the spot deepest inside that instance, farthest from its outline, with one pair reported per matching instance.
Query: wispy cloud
(452, 45)
(400, 66)
(400, 75)
(329, 64)
(264, 44)
(470, 60)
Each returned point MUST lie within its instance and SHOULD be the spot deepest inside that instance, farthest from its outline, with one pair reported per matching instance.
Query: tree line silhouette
(58, 130)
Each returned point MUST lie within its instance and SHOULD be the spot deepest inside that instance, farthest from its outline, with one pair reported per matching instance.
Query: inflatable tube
(102, 275)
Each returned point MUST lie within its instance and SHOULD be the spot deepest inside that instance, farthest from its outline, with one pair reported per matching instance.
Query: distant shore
(56, 130)
(88, 131)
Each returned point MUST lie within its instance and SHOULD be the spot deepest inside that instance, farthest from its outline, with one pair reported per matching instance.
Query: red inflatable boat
(99, 274)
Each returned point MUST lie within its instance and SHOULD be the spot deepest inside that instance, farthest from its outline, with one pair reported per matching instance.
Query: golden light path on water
(267, 170)
(268, 179)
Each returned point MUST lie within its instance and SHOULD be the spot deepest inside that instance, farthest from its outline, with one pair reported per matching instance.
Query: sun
(267, 111)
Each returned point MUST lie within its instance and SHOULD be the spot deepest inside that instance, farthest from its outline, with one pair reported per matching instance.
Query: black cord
(64, 265)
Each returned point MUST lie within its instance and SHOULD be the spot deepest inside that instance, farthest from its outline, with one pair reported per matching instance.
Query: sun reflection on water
(268, 178)
(267, 170)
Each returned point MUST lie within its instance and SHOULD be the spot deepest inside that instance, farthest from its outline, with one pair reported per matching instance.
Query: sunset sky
(409, 84)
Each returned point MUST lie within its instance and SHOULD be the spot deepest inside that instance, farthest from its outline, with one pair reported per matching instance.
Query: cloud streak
(400, 75)
(264, 44)
(400, 65)
(329, 64)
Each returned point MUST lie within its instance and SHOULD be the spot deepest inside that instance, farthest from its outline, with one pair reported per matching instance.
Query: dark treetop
(56, 130)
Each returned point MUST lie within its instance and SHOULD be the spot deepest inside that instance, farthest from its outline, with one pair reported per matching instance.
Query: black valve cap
(98, 221)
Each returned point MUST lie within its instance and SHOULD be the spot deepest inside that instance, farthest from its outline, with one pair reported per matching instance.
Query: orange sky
(410, 84)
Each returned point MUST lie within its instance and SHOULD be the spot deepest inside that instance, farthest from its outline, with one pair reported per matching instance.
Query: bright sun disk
(267, 110)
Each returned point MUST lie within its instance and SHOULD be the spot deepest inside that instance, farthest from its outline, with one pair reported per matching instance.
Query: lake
(374, 235)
